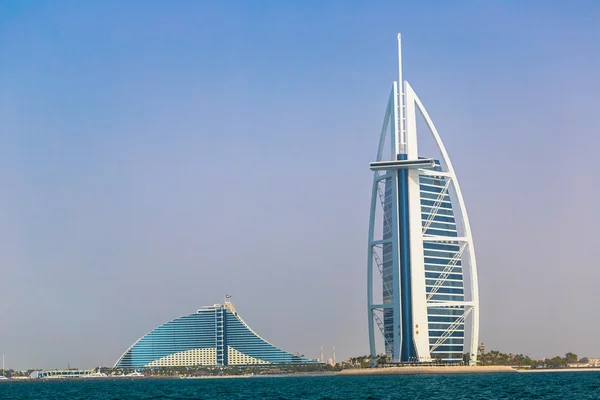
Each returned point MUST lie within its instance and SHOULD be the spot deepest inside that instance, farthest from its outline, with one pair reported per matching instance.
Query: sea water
(559, 385)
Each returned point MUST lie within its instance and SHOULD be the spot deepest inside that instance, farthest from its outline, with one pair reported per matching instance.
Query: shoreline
(591, 369)
(416, 370)
(408, 370)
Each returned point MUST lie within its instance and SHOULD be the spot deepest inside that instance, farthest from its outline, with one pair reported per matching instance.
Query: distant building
(213, 336)
(592, 362)
(66, 373)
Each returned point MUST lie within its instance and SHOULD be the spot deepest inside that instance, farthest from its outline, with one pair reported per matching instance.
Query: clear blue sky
(157, 155)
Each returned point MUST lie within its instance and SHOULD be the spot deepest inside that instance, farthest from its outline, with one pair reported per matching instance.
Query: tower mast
(400, 134)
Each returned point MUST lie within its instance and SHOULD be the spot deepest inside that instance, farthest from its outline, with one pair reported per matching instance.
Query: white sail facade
(422, 285)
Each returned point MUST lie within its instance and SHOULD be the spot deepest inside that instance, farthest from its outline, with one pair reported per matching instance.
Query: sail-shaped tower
(422, 288)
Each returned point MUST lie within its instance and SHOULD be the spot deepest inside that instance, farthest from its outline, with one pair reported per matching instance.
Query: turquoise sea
(560, 385)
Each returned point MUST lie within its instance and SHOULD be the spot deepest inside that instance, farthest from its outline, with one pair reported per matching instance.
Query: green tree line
(495, 357)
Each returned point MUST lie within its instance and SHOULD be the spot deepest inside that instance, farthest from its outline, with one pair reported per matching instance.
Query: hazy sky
(155, 156)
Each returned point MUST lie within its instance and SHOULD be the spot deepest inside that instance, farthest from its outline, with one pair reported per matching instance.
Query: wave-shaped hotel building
(422, 275)
(213, 336)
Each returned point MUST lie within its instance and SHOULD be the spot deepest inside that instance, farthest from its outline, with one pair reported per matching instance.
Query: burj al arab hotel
(422, 290)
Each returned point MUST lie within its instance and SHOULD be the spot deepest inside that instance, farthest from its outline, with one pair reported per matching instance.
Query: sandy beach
(427, 370)
(561, 370)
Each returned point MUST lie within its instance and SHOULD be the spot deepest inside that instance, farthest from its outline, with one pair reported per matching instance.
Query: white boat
(95, 375)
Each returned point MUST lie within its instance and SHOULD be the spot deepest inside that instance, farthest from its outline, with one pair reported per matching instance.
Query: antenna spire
(400, 94)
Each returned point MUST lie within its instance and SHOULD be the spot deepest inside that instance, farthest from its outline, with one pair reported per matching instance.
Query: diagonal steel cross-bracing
(446, 272)
(451, 329)
(436, 206)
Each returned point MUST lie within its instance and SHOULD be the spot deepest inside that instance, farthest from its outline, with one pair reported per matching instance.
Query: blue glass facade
(407, 346)
(214, 336)
(387, 273)
(443, 268)
(443, 271)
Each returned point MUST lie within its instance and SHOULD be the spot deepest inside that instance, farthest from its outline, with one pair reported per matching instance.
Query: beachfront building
(422, 276)
(213, 336)
(66, 374)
